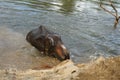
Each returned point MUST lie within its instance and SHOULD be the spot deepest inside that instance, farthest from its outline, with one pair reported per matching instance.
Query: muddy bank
(101, 69)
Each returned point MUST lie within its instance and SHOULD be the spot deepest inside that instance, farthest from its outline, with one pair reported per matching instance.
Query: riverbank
(100, 69)
(20, 61)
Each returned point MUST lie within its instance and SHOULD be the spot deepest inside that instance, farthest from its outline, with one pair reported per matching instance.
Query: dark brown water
(86, 29)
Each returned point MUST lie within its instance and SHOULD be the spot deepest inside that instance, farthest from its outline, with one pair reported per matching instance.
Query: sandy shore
(101, 69)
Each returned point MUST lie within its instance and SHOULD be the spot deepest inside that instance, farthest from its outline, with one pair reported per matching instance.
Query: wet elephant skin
(48, 43)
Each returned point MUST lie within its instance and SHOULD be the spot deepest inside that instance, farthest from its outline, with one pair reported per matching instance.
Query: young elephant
(48, 42)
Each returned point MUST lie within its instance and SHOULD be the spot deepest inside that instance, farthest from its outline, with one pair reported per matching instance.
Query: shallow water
(86, 29)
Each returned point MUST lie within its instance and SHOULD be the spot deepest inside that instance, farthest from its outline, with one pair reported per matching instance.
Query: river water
(86, 29)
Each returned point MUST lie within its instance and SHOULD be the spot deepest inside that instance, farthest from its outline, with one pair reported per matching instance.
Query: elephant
(48, 43)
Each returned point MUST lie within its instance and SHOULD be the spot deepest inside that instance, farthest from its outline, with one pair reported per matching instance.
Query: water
(86, 29)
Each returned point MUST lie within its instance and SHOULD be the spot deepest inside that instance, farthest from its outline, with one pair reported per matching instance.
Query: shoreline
(100, 69)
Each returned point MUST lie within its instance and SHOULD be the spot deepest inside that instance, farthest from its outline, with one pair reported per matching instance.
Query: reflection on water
(85, 28)
(67, 6)
(62, 6)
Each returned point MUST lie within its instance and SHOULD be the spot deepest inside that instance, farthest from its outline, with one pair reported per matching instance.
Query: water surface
(86, 29)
